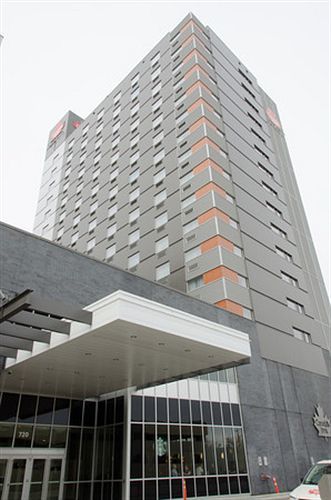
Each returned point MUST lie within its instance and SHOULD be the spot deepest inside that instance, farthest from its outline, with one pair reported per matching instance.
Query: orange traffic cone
(276, 487)
(184, 490)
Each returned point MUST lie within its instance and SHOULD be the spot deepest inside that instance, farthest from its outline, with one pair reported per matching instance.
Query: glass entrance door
(31, 477)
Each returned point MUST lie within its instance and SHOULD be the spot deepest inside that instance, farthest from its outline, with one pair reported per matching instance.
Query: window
(90, 244)
(161, 244)
(83, 143)
(116, 112)
(115, 142)
(159, 156)
(160, 220)
(192, 254)
(265, 170)
(133, 216)
(78, 203)
(113, 192)
(69, 156)
(162, 271)
(237, 251)
(100, 114)
(159, 176)
(117, 97)
(134, 158)
(301, 335)
(186, 177)
(269, 189)
(187, 201)
(289, 279)
(285, 255)
(134, 141)
(113, 175)
(229, 198)
(155, 73)
(81, 173)
(110, 251)
(157, 105)
(64, 201)
(76, 220)
(134, 79)
(67, 172)
(247, 313)
(94, 190)
(62, 217)
(112, 211)
(134, 195)
(79, 188)
(274, 210)
(74, 238)
(134, 176)
(98, 143)
(185, 155)
(114, 158)
(133, 237)
(95, 174)
(134, 94)
(85, 129)
(158, 138)
(262, 153)
(134, 125)
(278, 231)
(156, 89)
(97, 159)
(93, 207)
(98, 130)
(135, 109)
(295, 306)
(157, 120)
(111, 230)
(160, 197)
(190, 226)
(194, 283)
(65, 186)
(242, 281)
(116, 127)
(60, 232)
(92, 225)
(82, 157)
(133, 260)
(155, 59)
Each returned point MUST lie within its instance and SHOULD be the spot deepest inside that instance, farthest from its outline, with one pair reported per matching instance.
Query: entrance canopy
(120, 341)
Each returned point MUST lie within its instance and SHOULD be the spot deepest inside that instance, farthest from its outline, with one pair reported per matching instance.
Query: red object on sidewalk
(184, 490)
(276, 487)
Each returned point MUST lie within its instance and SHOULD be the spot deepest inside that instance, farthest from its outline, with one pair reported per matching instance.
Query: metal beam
(28, 318)
(60, 309)
(13, 306)
(15, 343)
(25, 332)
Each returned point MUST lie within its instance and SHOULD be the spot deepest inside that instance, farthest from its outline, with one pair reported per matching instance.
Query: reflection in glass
(15, 491)
(59, 437)
(45, 410)
(209, 447)
(35, 491)
(55, 470)
(162, 450)
(108, 453)
(187, 451)
(17, 473)
(149, 409)
(239, 441)
(61, 411)
(72, 455)
(150, 455)
(23, 436)
(136, 451)
(8, 407)
(53, 491)
(41, 437)
(6, 434)
(173, 411)
(175, 455)
(230, 451)
(37, 470)
(27, 409)
(220, 451)
(198, 452)
(86, 455)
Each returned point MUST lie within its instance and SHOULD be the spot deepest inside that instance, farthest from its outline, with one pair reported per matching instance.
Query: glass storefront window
(239, 441)
(136, 451)
(41, 437)
(150, 449)
(230, 453)
(175, 453)
(199, 463)
(27, 409)
(59, 437)
(23, 436)
(45, 410)
(162, 450)
(187, 451)
(220, 450)
(209, 447)
(6, 434)
(9, 407)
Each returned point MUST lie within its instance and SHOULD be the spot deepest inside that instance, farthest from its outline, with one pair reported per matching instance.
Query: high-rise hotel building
(182, 176)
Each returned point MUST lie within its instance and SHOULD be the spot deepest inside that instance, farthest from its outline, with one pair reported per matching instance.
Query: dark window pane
(176, 488)
(6, 434)
(55, 470)
(59, 436)
(184, 411)
(97, 491)
(196, 412)
(76, 412)
(37, 470)
(239, 442)
(164, 490)
(110, 405)
(99, 454)
(107, 487)
(187, 451)
(161, 410)
(150, 451)
(61, 411)
(198, 452)
(84, 491)
(230, 451)
(8, 408)
(72, 455)
(136, 408)
(244, 485)
(42, 436)
(101, 413)
(117, 490)
(23, 436)
(45, 410)
(173, 411)
(234, 486)
(69, 492)
(136, 451)
(236, 414)
(190, 487)
(223, 485)
(212, 485)
(201, 487)
(149, 409)
(119, 414)
(217, 415)
(150, 490)
(175, 455)
(136, 490)
(118, 451)
(86, 455)
(209, 448)
(162, 451)
(206, 412)
(89, 413)
(27, 409)
(220, 450)
(226, 414)
(108, 453)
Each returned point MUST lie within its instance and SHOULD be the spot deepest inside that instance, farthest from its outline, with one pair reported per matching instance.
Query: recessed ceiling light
(133, 336)
(210, 356)
(187, 350)
(141, 364)
(76, 372)
(161, 343)
(165, 369)
(115, 359)
(102, 376)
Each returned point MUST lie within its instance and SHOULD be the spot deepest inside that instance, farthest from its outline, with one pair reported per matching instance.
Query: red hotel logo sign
(273, 118)
(57, 130)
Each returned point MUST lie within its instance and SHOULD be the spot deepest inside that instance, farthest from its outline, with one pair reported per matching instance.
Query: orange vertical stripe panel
(200, 122)
(218, 273)
(216, 241)
(205, 164)
(204, 142)
(199, 102)
(213, 212)
(196, 85)
(207, 188)
(194, 52)
(196, 67)
(231, 306)
(192, 24)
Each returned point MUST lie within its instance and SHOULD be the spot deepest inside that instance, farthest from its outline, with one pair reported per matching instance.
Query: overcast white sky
(69, 55)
